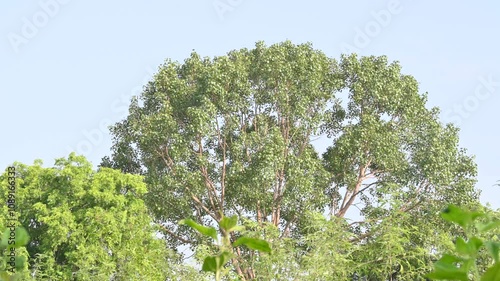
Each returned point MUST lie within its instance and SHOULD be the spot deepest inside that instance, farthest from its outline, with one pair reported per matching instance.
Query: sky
(68, 68)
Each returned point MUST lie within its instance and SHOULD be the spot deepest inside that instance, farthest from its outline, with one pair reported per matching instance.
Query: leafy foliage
(227, 225)
(88, 225)
(13, 261)
(462, 264)
(233, 135)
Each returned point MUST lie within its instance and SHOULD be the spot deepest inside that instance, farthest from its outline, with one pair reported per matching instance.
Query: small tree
(88, 225)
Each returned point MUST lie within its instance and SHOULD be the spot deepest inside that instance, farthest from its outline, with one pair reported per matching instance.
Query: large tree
(233, 135)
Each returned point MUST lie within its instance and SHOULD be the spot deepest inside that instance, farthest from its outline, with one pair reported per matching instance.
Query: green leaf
(461, 246)
(228, 223)
(447, 272)
(222, 259)
(493, 248)
(461, 217)
(253, 243)
(209, 264)
(470, 247)
(445, 269)
(474, 244)
(492, 274)
(215, 263)
(484, 227)
(447, 275)
(207, 231)
(450, 259)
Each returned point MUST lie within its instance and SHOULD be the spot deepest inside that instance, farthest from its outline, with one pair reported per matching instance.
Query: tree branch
(171, 233)
(361, 178)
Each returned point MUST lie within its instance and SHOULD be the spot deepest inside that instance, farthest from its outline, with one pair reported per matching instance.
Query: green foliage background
(87, 225)
(233, 136)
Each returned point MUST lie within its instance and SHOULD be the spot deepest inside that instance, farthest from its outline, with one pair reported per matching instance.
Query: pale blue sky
(68, 67)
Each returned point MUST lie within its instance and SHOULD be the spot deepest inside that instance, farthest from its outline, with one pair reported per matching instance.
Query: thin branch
(286, 230)
(197, 200)
(223, 179)
(361, 237)
(368, 186)
(171, 233)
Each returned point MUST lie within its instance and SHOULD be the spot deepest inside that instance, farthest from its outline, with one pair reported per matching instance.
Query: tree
(87, 225)
(395, 158)
(233, 135)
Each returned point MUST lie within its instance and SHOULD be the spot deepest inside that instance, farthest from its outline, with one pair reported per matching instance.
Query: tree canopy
(87, 225)
(234, 135)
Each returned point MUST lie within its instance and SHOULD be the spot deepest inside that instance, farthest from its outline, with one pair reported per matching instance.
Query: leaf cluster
(227, 226)
(462, 264)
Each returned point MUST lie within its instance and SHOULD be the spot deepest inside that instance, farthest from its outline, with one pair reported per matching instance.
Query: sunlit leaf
(207, 231)
(484, 227)
(494, 249)
(228, 223)
(492, 274)
(209, 264)
(461, 217)
(253, 243)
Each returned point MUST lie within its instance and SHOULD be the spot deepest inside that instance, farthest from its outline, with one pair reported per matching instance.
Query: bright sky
(69, 67)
